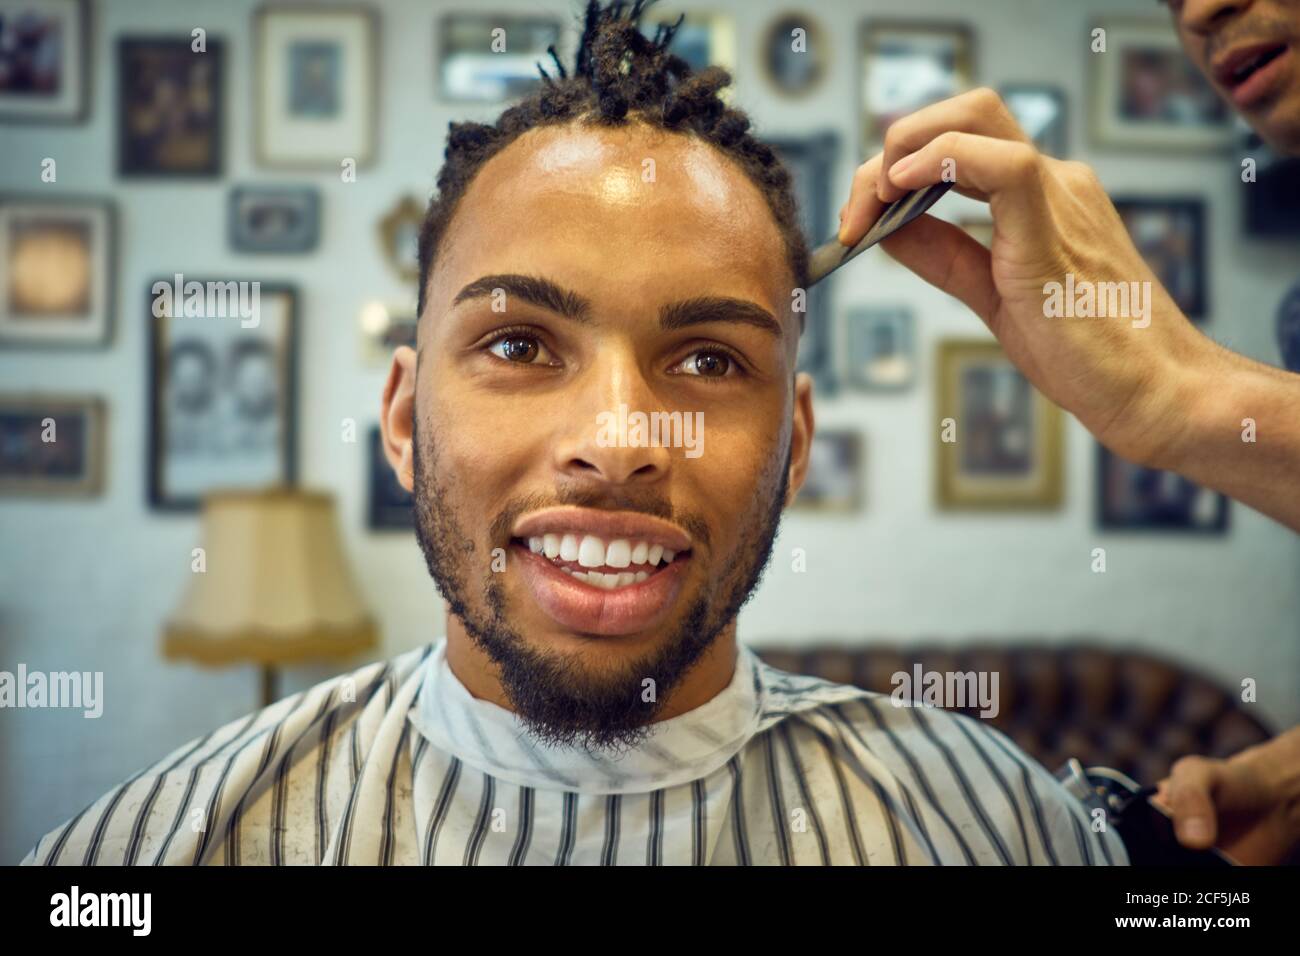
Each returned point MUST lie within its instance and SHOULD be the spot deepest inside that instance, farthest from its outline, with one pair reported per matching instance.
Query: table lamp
(272, 586)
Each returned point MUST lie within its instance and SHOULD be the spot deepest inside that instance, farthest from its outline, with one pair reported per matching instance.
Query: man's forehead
(627, 207)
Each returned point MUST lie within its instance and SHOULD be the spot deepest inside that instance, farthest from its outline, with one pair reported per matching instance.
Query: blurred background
(231, 142)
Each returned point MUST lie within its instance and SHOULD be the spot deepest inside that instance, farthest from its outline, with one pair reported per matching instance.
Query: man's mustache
(647, 503)
(1259, 28)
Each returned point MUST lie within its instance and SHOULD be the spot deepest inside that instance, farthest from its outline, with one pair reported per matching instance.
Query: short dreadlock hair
(619, 75)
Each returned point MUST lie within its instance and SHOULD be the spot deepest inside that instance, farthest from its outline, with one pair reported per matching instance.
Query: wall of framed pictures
(295, 157)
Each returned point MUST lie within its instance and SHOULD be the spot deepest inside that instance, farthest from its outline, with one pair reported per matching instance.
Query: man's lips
(1251, 71)
(584, 608)
(606, 525)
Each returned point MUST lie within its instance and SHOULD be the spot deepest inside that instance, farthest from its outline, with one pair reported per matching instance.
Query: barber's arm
(1151, 386)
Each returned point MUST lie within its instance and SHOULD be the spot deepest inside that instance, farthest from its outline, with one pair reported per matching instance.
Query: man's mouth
(609, 565)
(601, 572)
(1251, 71)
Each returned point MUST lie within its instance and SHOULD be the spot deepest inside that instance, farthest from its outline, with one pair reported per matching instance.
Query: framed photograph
(274, 218)
(490, 59)
(1133, 498)
(170, 105)
(1170, 234)
(399, 237)
(834, 480)
(796, 54)
(44, 61)
(56, 271)
(392, 507)
(222, 388)
(905, 66)
(811, 162)
(51, 445)
(1146, 94)
(384, 328)
(1040, 111)
(999, 440)
(316, 86)
(879, 348)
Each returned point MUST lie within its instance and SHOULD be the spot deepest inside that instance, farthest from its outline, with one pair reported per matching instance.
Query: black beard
(558, 701)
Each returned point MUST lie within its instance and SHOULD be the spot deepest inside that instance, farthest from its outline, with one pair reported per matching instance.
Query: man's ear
(801, 434)
(397, 416)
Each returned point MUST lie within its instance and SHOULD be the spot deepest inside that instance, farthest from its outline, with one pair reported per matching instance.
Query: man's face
(1250, 51)
(660, 284)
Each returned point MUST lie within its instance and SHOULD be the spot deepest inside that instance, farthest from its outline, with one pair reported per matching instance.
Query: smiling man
(617, 240)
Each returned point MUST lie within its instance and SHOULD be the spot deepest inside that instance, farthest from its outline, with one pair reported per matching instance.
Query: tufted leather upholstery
(1131, 711)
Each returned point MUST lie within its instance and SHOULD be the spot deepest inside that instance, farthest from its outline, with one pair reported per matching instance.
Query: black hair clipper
(1146, 829)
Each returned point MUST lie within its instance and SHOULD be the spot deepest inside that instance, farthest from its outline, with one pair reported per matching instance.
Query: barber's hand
(1129, 386)
(1248, 805)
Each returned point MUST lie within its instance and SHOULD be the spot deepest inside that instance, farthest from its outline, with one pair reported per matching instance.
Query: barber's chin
(583, 608)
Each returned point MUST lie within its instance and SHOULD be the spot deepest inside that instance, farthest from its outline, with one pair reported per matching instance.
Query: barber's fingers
(864, 206)
(980, 111)
(1190, 793)
(1012, 175)
(948, 258)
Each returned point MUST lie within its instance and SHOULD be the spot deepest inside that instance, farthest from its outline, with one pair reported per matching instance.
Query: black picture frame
(1054, 140)
(131, 152)
(390, 506)
(811, 161)
(1190, 294)
(306, 198)
(158, 498)
(1165, 516)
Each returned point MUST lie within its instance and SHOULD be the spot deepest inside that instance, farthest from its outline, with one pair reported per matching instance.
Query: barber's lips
(591, 584)
(1252, 73)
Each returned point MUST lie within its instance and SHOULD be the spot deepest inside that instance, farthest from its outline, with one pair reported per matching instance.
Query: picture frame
(52, 445)
(1133, 498)
(833, 483)
(999, 444)
(399, 237)
(222, 405)
(57, 271)
(906, 65)
(384, 328)
(1042, 112)
(794, 65)
(1146, 94)
(485, 58)
(879, 347)
(1169, 232)
(316, 85)
(390, 506)
(45, 61)
(171, 106)
(274, 219)
(811, 161)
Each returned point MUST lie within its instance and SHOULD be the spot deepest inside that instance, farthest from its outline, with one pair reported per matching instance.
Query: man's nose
(595, 444)
(1206, 16)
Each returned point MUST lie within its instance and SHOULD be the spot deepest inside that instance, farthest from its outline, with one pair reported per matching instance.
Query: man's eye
(708, 363)
(521, 349)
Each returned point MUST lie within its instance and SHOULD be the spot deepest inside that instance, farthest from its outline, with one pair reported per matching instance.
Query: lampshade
(275, 586)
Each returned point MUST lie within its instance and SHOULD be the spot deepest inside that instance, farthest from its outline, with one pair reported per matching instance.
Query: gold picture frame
(999, 441)
(398, 230)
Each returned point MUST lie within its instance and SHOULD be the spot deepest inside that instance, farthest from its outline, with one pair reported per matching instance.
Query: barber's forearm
(1220, 394)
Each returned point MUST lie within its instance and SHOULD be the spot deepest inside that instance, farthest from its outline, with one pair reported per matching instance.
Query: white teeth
(639, 552)
(591, 553)
(618, 554)
(655, 554)
(641, 576)
(569, 548)
(626, 578)
(551, 545)
(568, 570)
(669, 554)
(535, 545)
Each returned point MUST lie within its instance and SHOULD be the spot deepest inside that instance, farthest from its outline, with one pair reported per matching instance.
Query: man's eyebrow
(534, 289)
(703, 309)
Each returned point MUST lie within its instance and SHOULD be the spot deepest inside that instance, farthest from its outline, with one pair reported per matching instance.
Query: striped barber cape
(397, 763)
